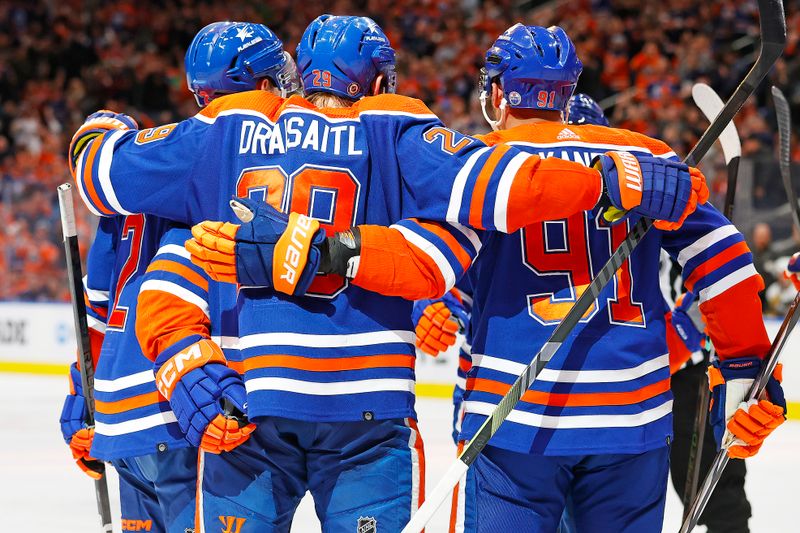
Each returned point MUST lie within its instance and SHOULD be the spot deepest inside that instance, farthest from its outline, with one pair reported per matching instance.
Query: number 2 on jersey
(328, 194)
(567, 261)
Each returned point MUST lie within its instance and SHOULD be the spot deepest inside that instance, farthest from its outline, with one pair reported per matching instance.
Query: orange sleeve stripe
(574, 399)
(94, 147)
(164, 319)
(183, 271)
(102, 311)
(482, 183)
(129, 404)
(458, 250)
(328, 365)
(710, 265)
(464, 365)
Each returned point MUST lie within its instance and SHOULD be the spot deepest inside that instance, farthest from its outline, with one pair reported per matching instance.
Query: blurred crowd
(60, 60)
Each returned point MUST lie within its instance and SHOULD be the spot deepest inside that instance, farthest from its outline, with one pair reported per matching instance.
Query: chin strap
(495, 124)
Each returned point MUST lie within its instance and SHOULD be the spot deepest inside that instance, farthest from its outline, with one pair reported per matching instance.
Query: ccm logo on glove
(292, 250)
(195, 356)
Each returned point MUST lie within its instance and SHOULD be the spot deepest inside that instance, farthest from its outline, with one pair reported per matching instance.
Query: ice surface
(41, 491)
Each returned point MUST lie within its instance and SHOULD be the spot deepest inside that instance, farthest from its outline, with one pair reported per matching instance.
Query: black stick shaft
(75, 276)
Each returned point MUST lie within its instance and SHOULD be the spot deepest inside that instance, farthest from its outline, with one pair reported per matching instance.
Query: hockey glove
(95, 125)
(437, 322)
(652, 187)
(207, 397)
(792, 270)
(688, 331)
(73, 427)
(269, 248)
(740, 426)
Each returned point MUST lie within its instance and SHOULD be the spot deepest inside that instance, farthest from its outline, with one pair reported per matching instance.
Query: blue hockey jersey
(343, 353)
(607, 389)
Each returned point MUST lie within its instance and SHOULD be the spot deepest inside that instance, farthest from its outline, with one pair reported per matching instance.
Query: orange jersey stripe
(329, 365)
(128, 404)
(458, 250)
(181, 270)
(481, 184)
(593, 399)
(712, 264)
(164, 319)
(102, 311)
(87, 175)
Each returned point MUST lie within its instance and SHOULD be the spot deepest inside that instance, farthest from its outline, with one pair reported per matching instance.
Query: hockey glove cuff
(792, 271)
(741, 426)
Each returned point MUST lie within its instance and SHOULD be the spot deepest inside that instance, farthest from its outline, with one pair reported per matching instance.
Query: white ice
(42, 491)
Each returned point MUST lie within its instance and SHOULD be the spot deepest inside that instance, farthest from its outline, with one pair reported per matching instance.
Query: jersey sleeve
(415, 259)
(172, 311)
(718, 268)
(448, 176)
(98, 282)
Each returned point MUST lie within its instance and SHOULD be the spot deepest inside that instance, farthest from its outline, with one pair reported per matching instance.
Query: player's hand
(792, 270)
(269, 248)
(95, 125)
(204, 393)
(73, 427)
(740, 426)
(666, 191)
(437, 322)
(686, 328)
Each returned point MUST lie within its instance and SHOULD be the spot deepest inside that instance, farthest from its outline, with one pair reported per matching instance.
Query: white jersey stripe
(574, 376)
(431, 251)
(95, 324)
(308, 340)
(226, 342)
(137, 424)
(79, 177)
(504, 191)
(175, 250)
(125, 382)
(330, 389)
(176, 290)
(705, 242)
(469, 234)
(575, 421)
(104, 171)
(717, 288)
(460, 183)
(94, 295)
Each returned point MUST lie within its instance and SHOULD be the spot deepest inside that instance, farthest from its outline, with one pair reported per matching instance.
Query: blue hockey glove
(207, 397)
(738, 426)
(95, 125)
(653, 187)
(269, 248)
(73, 427)
(437, 321)
(687, 330)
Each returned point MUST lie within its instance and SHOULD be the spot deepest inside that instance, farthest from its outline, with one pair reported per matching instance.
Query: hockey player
(330, 377)
(150, 431)
(596, 423)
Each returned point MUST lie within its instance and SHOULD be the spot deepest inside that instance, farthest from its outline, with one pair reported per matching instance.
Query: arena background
(60, 60)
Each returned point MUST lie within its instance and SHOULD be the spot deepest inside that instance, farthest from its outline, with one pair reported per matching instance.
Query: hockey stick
(773, 38)
(74, 273)
(785, 130)
(758, 386)
(710, 104)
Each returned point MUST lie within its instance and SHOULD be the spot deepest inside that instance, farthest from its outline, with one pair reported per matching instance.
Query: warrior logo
(232, 524)
(367, 524)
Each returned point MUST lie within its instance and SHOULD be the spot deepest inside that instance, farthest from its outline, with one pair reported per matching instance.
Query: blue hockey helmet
(536, 67)
(582, 109)
(231, 57)
(343, 55)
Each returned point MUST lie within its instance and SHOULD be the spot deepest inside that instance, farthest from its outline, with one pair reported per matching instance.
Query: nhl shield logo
(367, 524)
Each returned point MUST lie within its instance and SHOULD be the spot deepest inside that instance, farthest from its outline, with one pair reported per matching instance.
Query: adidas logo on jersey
(567, 133)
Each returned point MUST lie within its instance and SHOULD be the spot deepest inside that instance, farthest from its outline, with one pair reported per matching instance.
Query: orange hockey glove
(792, 270)
(437, 322)
(80, 445)
(740, 426)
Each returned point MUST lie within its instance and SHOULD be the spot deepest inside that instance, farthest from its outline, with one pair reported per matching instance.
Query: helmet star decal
(244, 33)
